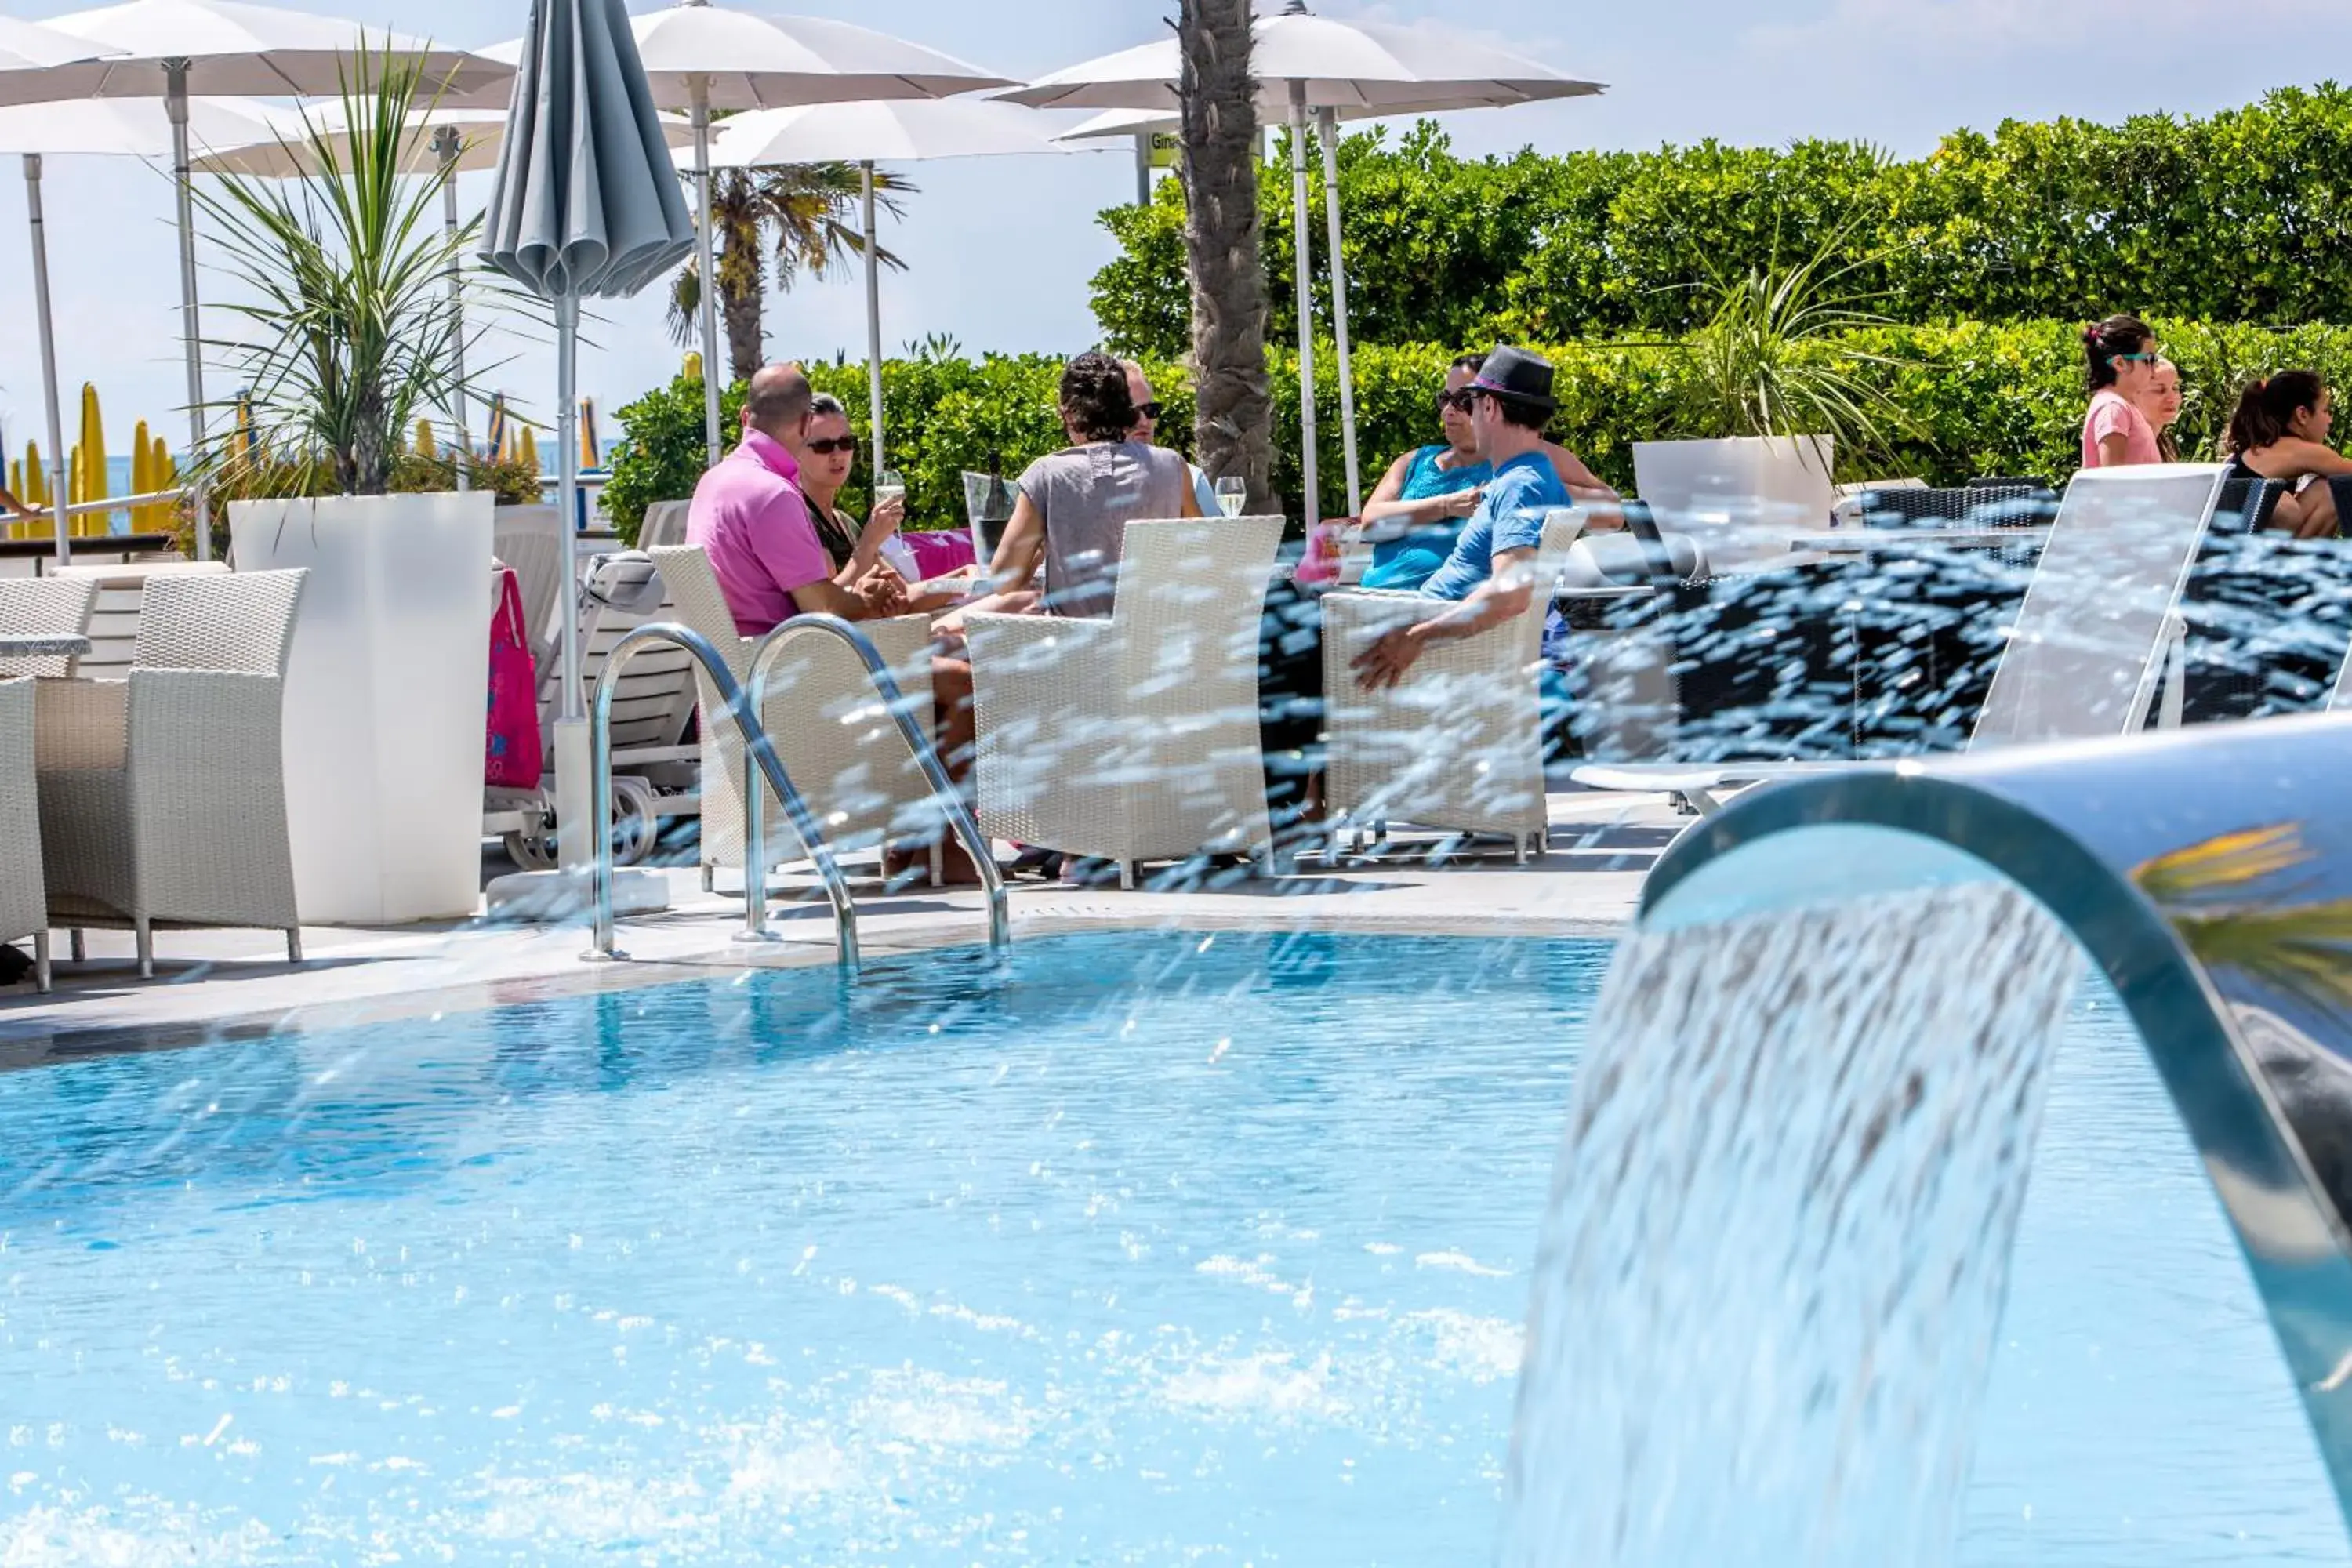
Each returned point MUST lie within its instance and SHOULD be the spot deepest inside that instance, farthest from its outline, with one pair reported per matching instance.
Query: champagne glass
(889, 485)
(1233, 494)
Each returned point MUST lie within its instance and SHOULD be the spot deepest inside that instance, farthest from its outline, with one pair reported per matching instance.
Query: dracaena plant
(1776, 357)
(342, 288)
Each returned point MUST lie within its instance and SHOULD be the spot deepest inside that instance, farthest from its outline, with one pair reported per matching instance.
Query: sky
(1000, 251)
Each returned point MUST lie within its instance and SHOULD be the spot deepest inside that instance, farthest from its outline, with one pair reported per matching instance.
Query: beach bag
(511, 757)
(937, 552)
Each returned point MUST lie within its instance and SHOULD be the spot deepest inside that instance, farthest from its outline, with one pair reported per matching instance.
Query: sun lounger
(2093, 640)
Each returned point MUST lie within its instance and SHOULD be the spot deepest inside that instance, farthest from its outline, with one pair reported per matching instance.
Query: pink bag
(1320, 563)
(511, 758)
(938, 553)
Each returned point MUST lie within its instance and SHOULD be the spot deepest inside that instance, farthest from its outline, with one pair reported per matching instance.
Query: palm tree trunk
(1234, 422)
(742, 275)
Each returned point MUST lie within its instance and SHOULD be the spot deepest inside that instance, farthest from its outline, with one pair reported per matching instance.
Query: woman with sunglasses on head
(2120, 357)
(2280, 432)
(1414, 513)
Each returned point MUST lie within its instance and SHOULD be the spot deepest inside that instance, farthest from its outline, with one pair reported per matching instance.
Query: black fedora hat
(1518, 376)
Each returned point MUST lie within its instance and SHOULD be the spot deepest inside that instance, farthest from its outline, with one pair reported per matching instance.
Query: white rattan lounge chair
(44, 607)
(1134, 738)
(23, 890)
(163, 796)
(838, 745)
(2097, 637)
(1458, 742)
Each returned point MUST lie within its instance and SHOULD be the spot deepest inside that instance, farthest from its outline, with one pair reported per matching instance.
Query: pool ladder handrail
(760, 761)
(954, 813)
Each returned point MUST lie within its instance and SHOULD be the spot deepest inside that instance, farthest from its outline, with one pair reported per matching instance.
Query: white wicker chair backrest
(241, 621)
(702, 602)
(114, 616)
(44, 607)
(665, 524)
(1190, 592)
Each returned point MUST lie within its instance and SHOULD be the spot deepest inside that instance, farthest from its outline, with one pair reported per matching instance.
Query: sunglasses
(1458, 401)
(1149, 411)
(2150, 357)
(833, 443)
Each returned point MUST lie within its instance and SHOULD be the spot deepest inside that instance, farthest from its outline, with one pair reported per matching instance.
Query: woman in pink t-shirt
(2122, 359)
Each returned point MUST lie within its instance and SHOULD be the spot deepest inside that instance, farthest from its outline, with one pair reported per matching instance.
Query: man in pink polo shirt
(749, 518)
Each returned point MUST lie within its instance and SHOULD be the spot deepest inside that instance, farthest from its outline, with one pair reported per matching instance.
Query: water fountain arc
(2145, 851)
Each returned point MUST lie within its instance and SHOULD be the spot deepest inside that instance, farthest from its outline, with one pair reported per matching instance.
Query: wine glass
(1233, 494)
(889, 485)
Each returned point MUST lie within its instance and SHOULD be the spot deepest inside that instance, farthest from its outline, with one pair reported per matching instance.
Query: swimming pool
(1154, 1247)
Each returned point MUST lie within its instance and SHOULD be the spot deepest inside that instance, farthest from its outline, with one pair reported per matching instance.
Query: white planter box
(386, 693)
(1742, 498)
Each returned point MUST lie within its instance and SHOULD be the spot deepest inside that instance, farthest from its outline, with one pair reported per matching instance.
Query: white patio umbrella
(448, 140)
(1305, 65)
(37, 64)
(901, 132)
(175, 49)
(587, 207)
(701, 56)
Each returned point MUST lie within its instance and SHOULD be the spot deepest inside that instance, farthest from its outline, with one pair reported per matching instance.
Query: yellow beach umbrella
(692, 368)
(93, 460)
(527, 452)
(590, 458)
(424, 438)
(35, 493)
(164, 474)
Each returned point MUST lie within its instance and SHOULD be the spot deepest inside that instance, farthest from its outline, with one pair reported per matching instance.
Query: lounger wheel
(637, 829)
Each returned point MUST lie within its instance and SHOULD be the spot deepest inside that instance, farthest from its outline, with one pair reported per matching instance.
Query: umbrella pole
(572, 783)
(1328, 122)
(873, 317)
(709, 293)
(48, 352)
(175, 108)
(1311, 481)
(446, 141)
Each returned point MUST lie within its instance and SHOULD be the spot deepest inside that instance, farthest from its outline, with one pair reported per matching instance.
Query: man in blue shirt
(1492, 569)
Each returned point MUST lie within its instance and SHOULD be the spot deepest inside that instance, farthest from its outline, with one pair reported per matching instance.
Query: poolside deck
(210, 984)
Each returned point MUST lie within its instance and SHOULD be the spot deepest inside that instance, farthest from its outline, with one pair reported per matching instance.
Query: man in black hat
(1492, 569)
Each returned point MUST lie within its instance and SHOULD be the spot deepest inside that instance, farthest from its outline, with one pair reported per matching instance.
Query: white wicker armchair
(837, 743)
(24, 901)
(1458, 742)
(1135, 738)
(163, 797)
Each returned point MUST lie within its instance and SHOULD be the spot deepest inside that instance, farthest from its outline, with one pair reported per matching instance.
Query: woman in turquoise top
(1416, 512)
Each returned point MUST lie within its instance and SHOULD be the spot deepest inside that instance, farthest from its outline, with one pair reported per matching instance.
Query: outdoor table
(49, 646)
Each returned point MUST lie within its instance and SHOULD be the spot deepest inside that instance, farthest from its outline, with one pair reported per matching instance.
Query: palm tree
(781, 222)
(1234, 417)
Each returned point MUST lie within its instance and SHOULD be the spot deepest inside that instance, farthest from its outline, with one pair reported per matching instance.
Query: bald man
(751, 519)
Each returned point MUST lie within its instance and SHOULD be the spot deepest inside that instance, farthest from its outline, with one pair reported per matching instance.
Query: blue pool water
(1152, 1248)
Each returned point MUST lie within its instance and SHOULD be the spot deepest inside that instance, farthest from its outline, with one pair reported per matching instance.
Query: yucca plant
(1770, 360)
(343, 289)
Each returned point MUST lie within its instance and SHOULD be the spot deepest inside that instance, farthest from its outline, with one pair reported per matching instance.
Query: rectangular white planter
(386, 693)
(1743, 497)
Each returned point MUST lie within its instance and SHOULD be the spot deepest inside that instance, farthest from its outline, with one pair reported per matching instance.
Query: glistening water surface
(1152, 1248)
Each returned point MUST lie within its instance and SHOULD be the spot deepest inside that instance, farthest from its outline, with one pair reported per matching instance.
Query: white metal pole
(1313, 498)
(48, 351)
(175, 108)
(1328, 123)
(1143, 140)
(448, 143)
(709, 291)
(573, 785)
(873, 317)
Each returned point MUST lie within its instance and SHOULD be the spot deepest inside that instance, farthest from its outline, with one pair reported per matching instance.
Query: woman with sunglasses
(2121, 357)
(827, 452)
(1414, 513)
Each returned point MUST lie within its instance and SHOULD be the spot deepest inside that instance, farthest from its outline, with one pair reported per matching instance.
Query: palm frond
(2228, 863)
(2301, 949)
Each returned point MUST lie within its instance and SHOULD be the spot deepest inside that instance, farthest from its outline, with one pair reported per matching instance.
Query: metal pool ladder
(760, 761)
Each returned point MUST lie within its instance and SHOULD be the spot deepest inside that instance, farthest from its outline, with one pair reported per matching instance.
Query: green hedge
(1982, 399)
(2241, 216)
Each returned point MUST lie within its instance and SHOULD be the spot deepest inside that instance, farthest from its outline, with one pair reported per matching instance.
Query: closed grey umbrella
(586, 206)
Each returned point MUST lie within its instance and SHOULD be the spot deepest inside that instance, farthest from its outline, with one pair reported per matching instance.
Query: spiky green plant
(343, 286)
(1771, 361)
